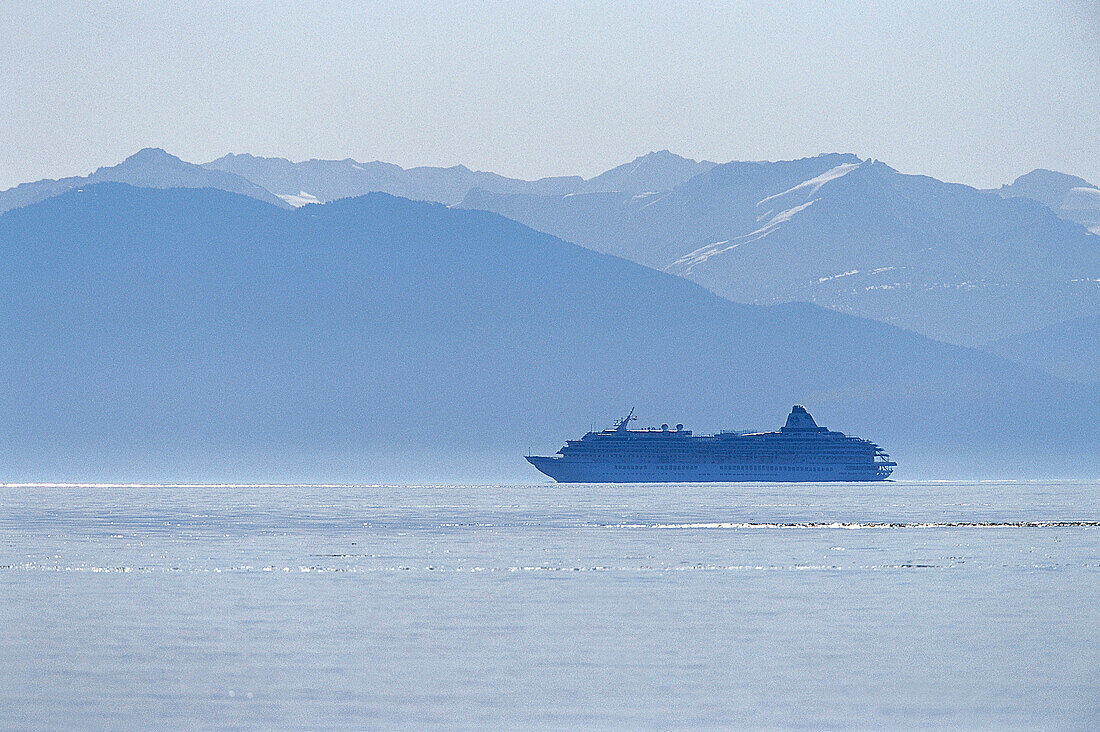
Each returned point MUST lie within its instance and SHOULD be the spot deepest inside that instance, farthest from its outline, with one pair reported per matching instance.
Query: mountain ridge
(1070, 197)
(149, 168)
(328, 180)
(942, 259)
(834, 229)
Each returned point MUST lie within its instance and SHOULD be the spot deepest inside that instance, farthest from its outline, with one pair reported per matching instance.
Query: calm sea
(973, 605)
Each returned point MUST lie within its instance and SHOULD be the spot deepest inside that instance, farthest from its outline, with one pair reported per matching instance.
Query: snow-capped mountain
(657, 228)
(946, 260)
(949, 261)
(148, 168)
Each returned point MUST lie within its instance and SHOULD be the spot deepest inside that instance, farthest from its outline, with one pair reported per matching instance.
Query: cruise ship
(799, 451)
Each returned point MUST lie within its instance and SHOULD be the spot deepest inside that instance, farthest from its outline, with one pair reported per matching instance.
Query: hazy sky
(975, 92)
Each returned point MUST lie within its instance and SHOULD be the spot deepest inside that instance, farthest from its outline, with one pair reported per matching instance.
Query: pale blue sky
(975, 92)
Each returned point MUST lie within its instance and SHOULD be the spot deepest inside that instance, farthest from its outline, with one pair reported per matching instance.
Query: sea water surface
(972, 605)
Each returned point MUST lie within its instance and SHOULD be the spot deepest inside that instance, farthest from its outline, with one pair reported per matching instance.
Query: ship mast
(622, 423)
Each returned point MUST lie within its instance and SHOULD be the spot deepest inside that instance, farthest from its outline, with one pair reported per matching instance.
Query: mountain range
(168, 334)
(319, 181)
(148, 168)
(284, 183)
(995, 270)
(946, 260)
(952, 262)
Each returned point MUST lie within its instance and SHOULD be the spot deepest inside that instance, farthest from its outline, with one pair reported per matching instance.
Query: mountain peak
(152, 154)
(1044, 178)
(227, 156)
(1070, 197)
(665, 157)
(150, 167)
(840, 158)
(147, 159)
(655, 171)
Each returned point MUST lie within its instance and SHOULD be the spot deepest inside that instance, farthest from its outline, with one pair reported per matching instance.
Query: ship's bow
(546, 465)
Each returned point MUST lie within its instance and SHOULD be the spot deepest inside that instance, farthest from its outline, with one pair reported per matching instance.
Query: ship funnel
(800, 419)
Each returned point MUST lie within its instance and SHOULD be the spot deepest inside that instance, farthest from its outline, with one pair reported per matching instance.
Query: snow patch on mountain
(849, 273)
(813, 185)
(781, 218)
(837, 276)
(686, 263)
(1082, 198)
(689, 261)
(302, 199)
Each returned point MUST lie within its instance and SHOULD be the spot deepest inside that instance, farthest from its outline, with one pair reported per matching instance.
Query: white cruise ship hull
(564, 470)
